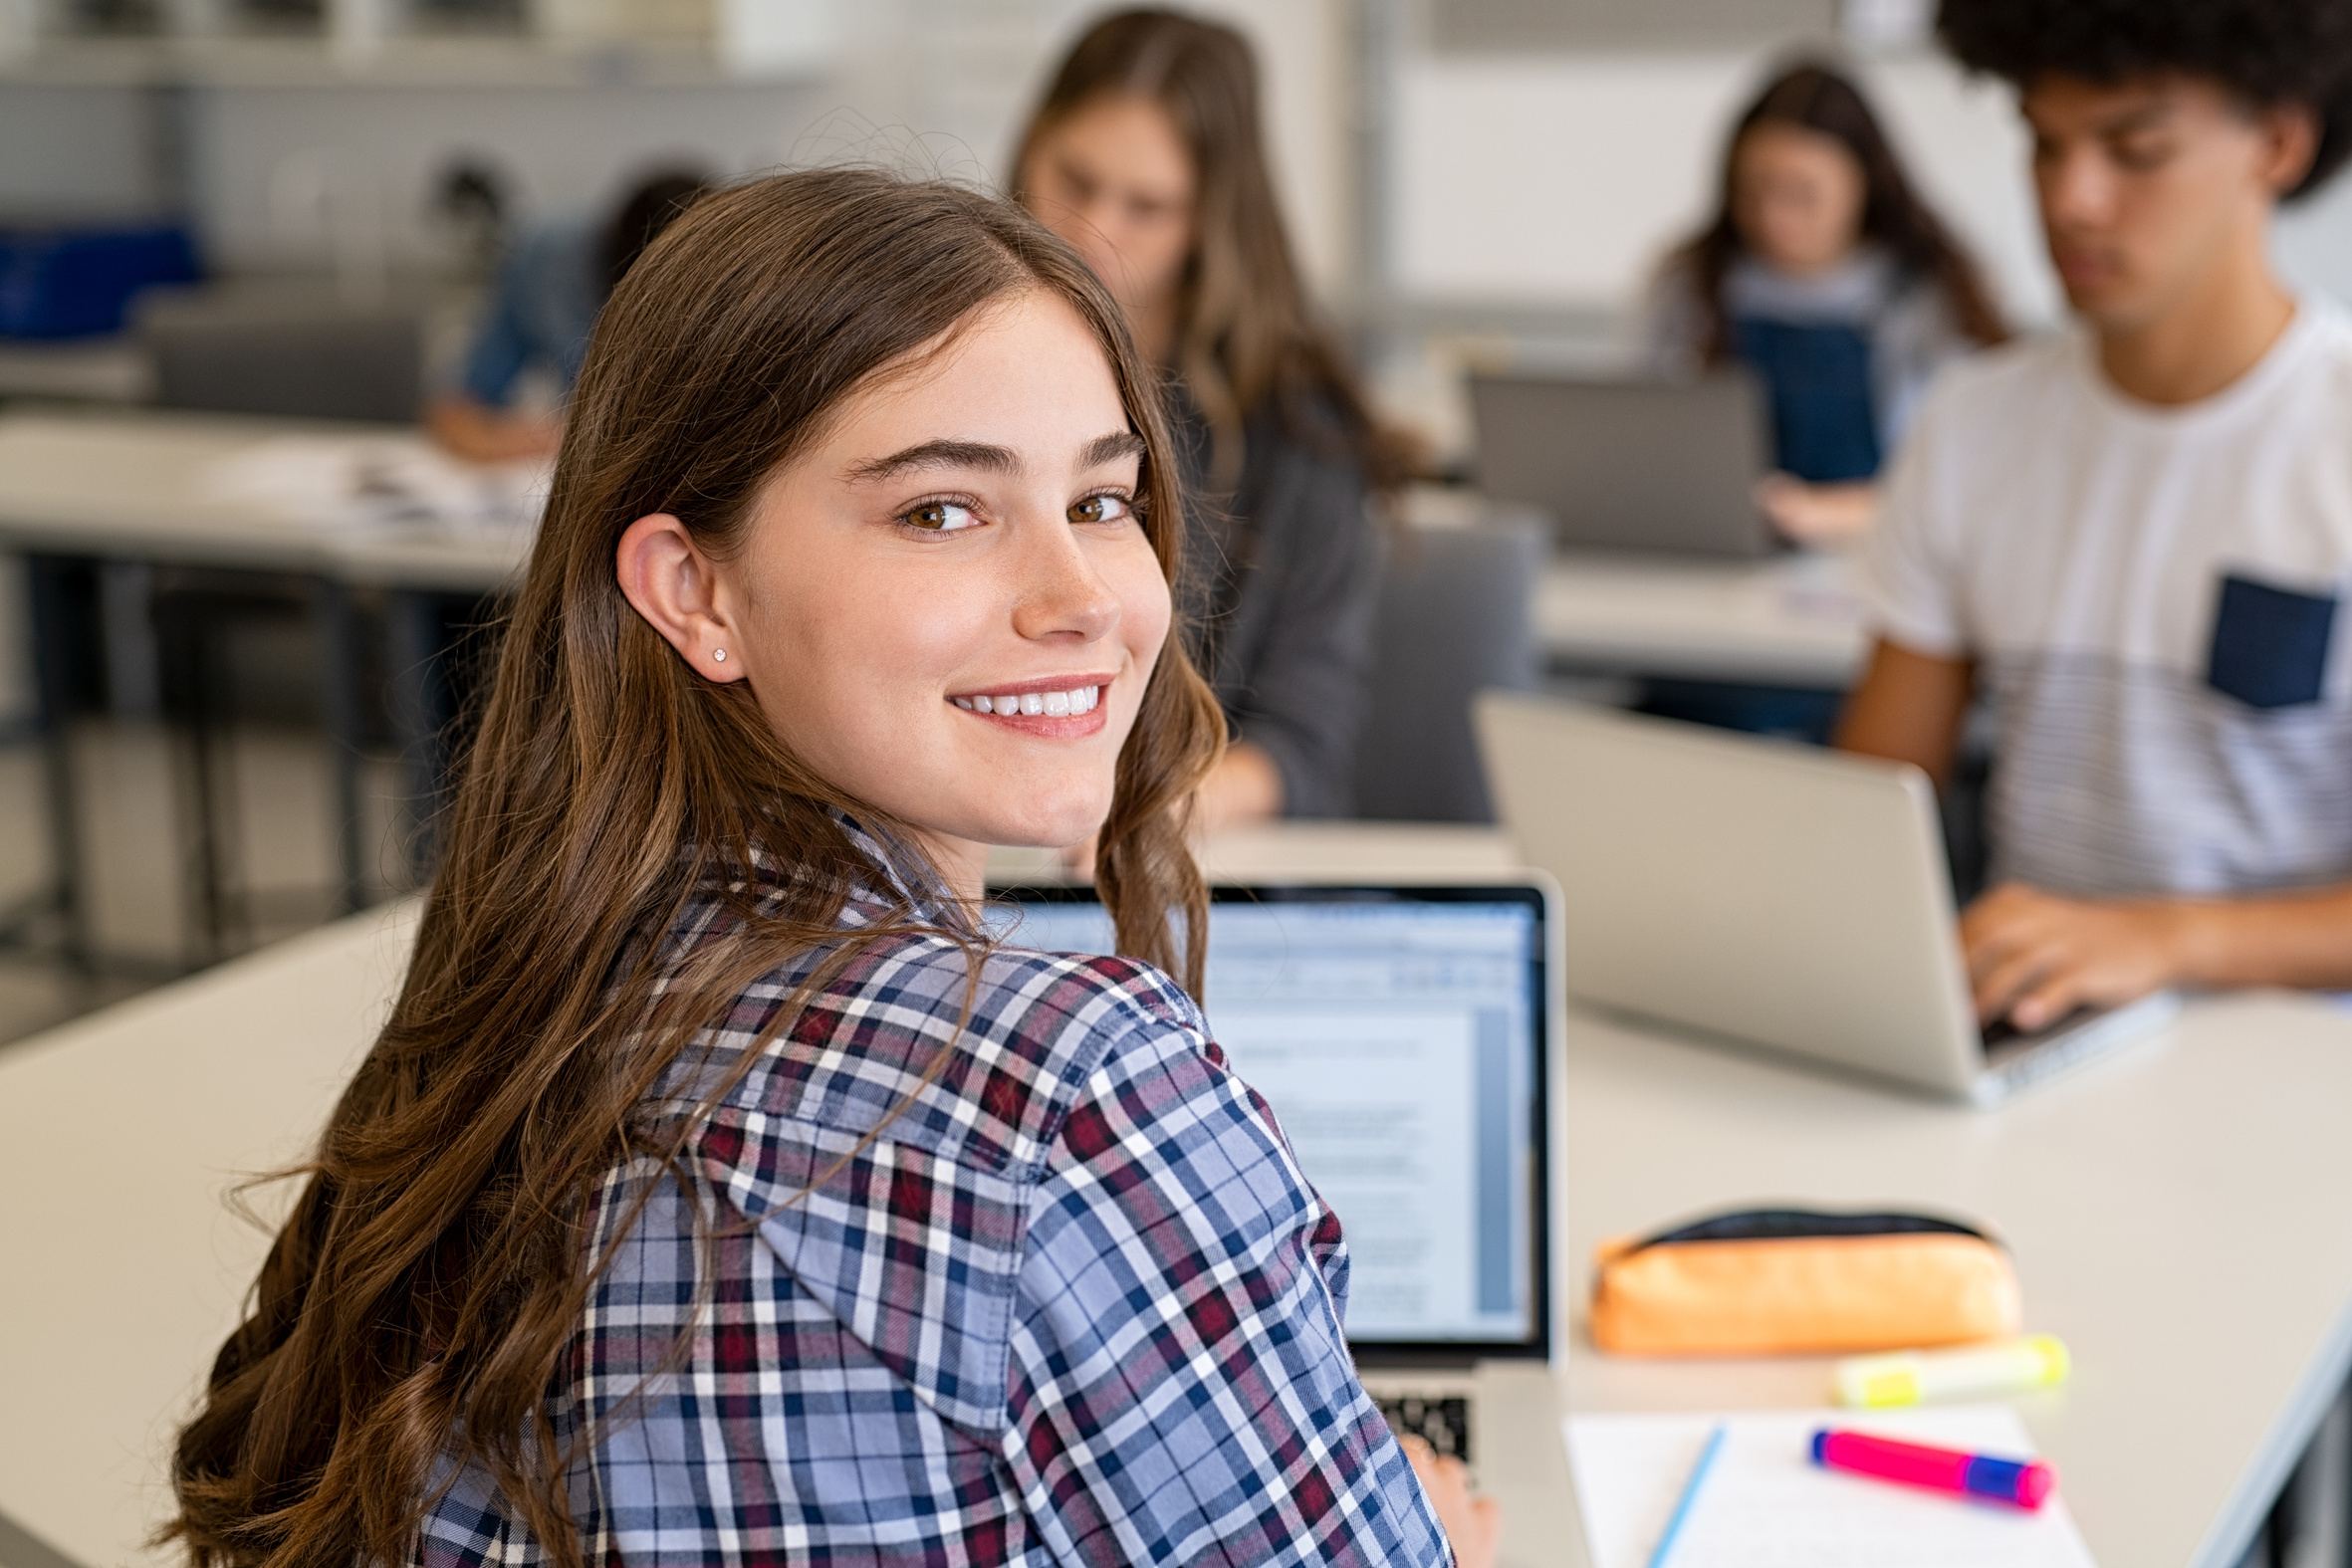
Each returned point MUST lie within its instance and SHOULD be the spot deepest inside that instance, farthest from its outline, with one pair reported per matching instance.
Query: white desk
(120, 1268)
(138, 484)
(1789, 621)
(2182, 1215)
(1308, 851)
(147, 486)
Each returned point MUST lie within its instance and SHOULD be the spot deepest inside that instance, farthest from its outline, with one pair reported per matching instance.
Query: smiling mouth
(1067, 704)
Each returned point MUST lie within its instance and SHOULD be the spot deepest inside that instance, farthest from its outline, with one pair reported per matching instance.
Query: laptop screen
(1398, 1035)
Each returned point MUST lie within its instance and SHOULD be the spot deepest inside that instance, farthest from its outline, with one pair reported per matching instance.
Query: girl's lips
(1052, 727)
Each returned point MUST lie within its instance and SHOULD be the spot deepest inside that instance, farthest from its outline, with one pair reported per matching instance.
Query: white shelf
(746, 41)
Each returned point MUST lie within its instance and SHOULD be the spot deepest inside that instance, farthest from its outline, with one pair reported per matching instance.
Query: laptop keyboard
(1443, 1424)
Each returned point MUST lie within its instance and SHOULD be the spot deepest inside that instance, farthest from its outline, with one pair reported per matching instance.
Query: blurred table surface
(142, 484)
(2181, 1213)
(111, 370)
(1788, 620)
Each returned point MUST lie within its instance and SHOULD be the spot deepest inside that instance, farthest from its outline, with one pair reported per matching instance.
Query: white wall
(935, 84)
(1562, 179)
(73, 148)
(564, 148)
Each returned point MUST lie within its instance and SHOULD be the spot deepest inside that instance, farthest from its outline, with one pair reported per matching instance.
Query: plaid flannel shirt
(1074, 1304)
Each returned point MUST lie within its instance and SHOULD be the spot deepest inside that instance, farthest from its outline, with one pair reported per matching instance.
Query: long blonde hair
(416, 1306)
(1245, 335)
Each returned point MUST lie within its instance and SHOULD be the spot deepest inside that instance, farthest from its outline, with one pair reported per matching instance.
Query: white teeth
(1052, 705)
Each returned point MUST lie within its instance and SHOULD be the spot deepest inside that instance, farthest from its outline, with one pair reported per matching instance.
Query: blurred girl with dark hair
(1824, 272)
(541, 308)
(1146, 156)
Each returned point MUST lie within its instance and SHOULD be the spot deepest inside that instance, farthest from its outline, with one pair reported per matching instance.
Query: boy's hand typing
(2035, 957)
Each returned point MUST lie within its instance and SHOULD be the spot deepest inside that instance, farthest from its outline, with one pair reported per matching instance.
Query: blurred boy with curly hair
(2134, 538)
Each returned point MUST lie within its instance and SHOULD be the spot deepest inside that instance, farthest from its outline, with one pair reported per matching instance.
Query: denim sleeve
(502, 341)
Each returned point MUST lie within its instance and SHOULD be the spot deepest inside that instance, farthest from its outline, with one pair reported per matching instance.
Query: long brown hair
(417, 1308)
(1814, 98)
(1245, 333)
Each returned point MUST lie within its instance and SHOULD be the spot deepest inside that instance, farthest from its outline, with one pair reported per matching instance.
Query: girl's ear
(667, 578)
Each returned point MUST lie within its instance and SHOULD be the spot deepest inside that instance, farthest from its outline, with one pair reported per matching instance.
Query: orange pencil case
(1787, 1281)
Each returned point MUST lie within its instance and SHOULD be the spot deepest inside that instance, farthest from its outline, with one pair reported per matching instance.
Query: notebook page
(1765, 1504)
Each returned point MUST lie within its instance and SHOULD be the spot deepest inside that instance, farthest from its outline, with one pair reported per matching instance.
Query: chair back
(1456, 617)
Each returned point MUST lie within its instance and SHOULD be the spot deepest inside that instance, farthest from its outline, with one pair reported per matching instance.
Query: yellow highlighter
(1912, 1377)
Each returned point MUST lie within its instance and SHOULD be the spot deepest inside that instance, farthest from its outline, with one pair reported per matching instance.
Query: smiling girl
(717, 1192)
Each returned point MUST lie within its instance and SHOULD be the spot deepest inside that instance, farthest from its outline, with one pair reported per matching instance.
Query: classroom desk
(141, 486)
(134, 484)
(1787, 620)
(1791, 620)
(121, 1267)
(2181, 1213)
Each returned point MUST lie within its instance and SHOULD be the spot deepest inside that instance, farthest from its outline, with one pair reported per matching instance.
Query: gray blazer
(1282, 575)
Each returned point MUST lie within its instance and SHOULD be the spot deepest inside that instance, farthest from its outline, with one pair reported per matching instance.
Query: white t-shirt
(2151, 595)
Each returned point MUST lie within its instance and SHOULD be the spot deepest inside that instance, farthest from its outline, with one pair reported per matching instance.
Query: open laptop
(1403, 1033)
(1766, 893)
(1629, 464)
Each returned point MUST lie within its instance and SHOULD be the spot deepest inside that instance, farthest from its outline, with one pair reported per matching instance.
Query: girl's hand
(1472, 1523)
(1817, 514)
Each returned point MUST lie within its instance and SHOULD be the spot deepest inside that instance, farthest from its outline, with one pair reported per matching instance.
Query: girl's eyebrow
(938, 454)
(987, 457)
(1110, 448)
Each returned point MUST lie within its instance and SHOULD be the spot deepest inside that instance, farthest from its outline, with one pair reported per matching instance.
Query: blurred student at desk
(2134, 538)
(1146, 156)
(1823, 272)
(540, 313)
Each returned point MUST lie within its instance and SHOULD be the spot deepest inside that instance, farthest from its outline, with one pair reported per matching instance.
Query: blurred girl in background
(1825, 274)
(1146, 156)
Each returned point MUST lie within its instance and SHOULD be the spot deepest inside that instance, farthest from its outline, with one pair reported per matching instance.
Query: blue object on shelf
(63, 280)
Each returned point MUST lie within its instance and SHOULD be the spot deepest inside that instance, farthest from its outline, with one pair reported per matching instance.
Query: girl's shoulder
(974, 1052)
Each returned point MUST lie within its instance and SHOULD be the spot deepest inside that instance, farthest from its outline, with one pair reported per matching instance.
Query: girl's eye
(1102, 509)
(939, 516)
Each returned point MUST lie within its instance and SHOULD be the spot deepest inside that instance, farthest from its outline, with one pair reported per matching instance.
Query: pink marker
(2024, 1483)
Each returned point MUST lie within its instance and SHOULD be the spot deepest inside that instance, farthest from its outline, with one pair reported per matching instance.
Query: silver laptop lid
(1628, 464)
(1399, 1032)
(1772, 893)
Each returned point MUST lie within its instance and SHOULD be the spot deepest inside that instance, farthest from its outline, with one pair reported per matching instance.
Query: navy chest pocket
(2270, 644)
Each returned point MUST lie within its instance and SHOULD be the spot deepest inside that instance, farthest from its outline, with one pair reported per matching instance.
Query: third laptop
(1764, 893)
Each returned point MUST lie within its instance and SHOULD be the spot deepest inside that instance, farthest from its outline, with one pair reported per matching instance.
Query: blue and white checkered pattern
(1076, 1303)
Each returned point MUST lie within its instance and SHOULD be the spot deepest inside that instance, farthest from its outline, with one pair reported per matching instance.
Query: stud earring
(718, 655)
